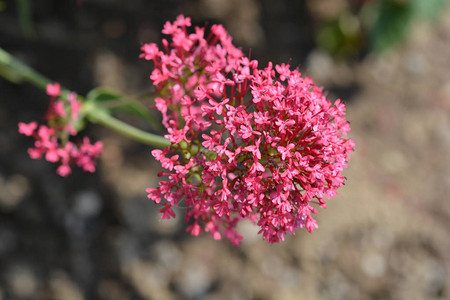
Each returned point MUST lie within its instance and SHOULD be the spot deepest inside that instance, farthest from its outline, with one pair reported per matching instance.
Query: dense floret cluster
(247, 142)
(52, 140)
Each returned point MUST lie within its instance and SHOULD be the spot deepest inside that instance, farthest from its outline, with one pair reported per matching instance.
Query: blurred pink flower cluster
(52, 141)
(247, 143)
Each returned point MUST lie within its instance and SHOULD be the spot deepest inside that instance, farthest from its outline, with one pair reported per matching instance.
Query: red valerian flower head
(52, 140)
(247, 143)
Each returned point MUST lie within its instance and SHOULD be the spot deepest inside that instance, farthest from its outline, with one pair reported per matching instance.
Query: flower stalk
(97, 115)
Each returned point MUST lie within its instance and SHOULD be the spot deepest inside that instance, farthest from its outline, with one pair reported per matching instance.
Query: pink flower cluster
(52, 141)
(247, 143)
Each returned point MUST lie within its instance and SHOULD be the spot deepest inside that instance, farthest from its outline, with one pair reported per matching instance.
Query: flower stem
(15, 71)
(11, 67)
(97, 115)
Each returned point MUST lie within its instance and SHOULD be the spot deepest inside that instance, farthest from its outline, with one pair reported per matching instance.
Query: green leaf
(112, 101)
(102, 94)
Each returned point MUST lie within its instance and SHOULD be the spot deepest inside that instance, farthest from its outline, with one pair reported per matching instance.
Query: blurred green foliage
(2, 6)
(342, 37)
(365, 25)
(394, 17)
(25, 15)
(374, 26)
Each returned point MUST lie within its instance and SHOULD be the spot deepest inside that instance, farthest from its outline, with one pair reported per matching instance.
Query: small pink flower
(158, 154)
(177, 135)
(27, 129)
(213, 229)
(54, 89)
(168, 163)
(45, 133)
(262, 118)
(154, 194)
(256, 167)
(247, 132)
(169, 28)
(35, 153)
(216, 107)
(194, 229)
(285, 151)
(87, 154)
(59, 109)
(52, 155)
(64, 170)
(284, 71)
(150, 51)
(75, 105)
(254, 149)
(311, 224)
(234, 237)
(167, 212)
(182, 21)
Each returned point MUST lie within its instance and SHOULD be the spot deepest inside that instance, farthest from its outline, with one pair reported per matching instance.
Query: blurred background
(96, 236)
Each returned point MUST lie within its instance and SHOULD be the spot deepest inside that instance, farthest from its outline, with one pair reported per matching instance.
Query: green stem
(22, 71)
(15, 70)
(96, 115)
